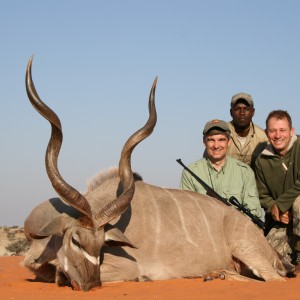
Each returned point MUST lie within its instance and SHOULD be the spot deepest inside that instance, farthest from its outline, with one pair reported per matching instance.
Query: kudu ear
(57, 226)
(114, 237)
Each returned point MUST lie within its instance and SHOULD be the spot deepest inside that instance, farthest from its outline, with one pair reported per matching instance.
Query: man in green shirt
(226, 175)
(278, 181)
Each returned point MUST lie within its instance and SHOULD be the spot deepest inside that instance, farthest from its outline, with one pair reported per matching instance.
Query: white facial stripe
(66, 264)
(255, 272)
(94, 260)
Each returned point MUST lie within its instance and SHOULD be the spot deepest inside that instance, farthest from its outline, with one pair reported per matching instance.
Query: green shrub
(18, 247)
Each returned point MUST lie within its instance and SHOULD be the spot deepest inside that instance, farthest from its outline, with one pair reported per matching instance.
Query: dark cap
(217, 124)
(241, 96)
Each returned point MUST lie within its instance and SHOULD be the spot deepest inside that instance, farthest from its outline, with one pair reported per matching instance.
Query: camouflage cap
(241, 96)
(216, 124)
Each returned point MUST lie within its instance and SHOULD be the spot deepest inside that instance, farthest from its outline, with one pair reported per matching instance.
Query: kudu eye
(76, 242)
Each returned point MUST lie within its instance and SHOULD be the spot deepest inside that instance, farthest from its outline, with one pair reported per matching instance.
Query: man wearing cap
(248, 139)
(226, 175)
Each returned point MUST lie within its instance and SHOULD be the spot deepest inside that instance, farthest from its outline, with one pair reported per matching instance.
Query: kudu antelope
(125, 229)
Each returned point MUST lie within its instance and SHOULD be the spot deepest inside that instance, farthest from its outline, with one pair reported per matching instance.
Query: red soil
(17, 283)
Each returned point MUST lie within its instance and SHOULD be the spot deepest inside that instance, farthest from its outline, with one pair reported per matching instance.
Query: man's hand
(285, 218)
(278, 216)
(275, 213)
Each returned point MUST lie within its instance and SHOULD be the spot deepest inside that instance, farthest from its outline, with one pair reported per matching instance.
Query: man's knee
(296, 205)
(296, 217)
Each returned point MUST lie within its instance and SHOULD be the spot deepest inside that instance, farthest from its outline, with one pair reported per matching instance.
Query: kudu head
(78, 249)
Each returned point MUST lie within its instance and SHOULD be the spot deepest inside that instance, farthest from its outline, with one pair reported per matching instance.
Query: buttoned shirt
(254, 144)
(234, 179)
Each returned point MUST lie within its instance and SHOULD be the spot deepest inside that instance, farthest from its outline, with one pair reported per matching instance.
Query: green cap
(216, 124)
(241, 96)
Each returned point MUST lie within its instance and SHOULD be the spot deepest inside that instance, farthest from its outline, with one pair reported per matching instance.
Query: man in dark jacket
(278, 181)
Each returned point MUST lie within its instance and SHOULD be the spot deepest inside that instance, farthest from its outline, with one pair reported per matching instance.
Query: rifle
(232, 200)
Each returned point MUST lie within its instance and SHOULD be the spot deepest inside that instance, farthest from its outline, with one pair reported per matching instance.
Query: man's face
(216, 146)
(279, 134)
(242, 114)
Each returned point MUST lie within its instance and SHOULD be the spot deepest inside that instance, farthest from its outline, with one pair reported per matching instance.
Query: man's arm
(266, 200)
(286, 200)
(187, 182)
(251, 199)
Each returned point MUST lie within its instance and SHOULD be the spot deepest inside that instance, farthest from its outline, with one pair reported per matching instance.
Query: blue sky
(94, 64)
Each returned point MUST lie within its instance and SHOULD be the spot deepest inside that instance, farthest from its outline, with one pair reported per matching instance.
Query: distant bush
(11, 235)
(18, 247)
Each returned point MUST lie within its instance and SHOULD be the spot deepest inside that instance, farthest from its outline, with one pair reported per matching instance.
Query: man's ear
(292, 131)
(229, 141)
(231, 112)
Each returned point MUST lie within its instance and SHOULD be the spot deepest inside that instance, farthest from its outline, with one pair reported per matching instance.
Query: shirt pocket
(252, 194)
(233, 192)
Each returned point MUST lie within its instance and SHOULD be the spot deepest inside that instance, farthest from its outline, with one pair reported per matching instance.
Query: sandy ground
(17, 283)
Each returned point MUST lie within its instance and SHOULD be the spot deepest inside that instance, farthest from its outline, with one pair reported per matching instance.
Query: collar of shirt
(211, 167)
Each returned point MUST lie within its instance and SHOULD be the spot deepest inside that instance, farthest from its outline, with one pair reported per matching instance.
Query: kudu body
(126, 229)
